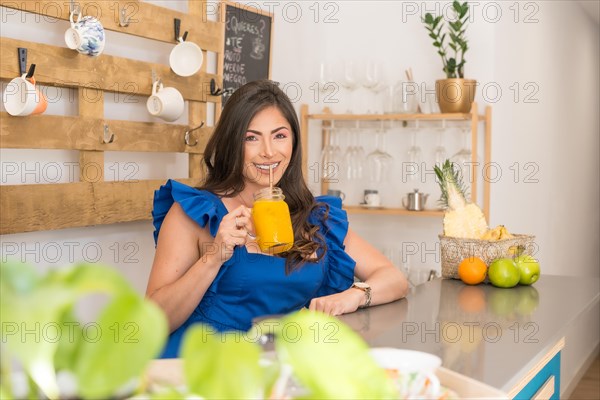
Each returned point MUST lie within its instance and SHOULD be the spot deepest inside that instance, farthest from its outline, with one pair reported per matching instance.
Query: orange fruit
(472, 270)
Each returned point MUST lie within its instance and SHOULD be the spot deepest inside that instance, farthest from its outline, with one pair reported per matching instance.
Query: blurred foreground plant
(42, 334)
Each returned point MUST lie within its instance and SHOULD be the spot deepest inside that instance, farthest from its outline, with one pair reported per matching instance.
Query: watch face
(361, 285)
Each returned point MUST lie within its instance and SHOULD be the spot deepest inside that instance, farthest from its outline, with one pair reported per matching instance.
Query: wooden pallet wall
(27, 208)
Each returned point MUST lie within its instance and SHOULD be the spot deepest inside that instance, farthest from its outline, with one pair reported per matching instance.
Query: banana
(498, 233)
(504, 234)
(492, 234)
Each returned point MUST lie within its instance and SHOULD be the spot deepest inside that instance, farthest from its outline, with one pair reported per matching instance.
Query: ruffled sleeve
(200, 205)
(339, 266)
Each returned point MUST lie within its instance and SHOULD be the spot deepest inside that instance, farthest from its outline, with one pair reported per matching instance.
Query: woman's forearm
(387, 284)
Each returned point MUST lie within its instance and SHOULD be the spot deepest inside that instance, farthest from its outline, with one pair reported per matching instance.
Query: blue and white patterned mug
(86, 35)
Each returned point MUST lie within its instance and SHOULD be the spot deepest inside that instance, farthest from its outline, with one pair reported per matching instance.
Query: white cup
(413, 371)
(372, 198)
(186, 58)
(165, 103)
(21, 97)
(86, 35)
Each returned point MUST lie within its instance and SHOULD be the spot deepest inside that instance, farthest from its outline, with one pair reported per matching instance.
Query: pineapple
(461, 219)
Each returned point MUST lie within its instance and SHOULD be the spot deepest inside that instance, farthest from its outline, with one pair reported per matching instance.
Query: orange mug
(22, 97)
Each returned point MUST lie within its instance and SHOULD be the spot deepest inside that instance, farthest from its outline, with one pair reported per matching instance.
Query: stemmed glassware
(414, 156)
(331, 156)
(354, 158)
(349, 81)
(379, 162)
(439, 153)
(462, 158)
(372, 82)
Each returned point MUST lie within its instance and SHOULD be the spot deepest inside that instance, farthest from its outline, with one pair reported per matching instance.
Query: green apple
(503, 272)
(529, 268)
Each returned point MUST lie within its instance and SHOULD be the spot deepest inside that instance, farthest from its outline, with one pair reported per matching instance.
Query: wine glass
(353, 158)
(349, 81)
(462, 159)
(439, 153)
(372, 81)
(379, 162)
(414, 155)
(329, 156)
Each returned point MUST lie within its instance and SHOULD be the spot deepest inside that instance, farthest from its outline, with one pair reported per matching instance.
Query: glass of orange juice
(272, 221)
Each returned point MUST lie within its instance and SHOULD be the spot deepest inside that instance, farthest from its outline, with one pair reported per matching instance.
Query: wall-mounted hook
(123, 18)
(31, 71)
(107, 135)
(177, 28)
(217, 91)
(22, 53)
(156, 78)
(186, 137)
(74, 8)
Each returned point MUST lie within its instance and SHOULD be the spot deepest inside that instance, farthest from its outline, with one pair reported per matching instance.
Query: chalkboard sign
(247, 53)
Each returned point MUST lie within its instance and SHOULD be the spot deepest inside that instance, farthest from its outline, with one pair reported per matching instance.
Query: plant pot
(455, 95)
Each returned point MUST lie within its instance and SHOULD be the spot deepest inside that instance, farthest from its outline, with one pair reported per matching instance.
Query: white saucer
(370, 206)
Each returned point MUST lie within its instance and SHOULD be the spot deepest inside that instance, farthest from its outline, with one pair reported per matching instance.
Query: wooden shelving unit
(392, 211)
(474, 117)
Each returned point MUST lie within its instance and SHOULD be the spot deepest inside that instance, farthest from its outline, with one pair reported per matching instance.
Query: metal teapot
(416, 201)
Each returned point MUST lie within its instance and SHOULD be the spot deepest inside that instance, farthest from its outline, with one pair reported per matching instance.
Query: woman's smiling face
(268, 144)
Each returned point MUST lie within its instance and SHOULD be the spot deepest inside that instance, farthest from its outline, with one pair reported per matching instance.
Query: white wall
(557, 56)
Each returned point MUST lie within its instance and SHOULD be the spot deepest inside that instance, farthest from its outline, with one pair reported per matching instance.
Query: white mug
(413, 371)
(186, 58)
(372, 198)
(22, 98)
(86, 35)
(166, 102)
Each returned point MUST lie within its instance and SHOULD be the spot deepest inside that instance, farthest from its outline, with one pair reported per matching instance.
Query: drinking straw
(271, 177)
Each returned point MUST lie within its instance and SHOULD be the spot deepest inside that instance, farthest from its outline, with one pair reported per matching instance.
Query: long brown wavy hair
(224, 158)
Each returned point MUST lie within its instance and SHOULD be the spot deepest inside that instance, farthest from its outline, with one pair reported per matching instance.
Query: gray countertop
(490, 334)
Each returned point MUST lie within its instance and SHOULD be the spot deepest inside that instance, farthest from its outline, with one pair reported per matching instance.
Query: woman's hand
(340, 303)
(233, 231)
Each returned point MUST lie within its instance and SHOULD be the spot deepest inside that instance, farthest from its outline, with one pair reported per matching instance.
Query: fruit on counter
(461, 219)
(529, 268)
(472, 270)
(504, 273)
(498, 233)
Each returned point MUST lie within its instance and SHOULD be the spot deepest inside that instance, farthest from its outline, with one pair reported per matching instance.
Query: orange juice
(272, 221)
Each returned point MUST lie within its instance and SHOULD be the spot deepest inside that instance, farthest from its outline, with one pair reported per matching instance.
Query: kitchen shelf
(474, 118)
(394, 117)
(392, 211)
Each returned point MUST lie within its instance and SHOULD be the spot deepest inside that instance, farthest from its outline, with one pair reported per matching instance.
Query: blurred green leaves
(41, 332)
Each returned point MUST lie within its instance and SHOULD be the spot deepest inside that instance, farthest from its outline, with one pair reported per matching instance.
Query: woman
(208, 267)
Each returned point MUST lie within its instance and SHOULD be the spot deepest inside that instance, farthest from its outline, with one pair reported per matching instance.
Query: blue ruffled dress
(251, 285)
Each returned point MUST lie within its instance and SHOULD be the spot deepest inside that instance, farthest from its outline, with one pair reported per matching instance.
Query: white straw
(271, 177)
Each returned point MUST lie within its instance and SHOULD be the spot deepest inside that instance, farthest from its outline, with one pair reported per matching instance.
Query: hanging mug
(86, 35)
(186, 57)
(165, 103)
(22, 98)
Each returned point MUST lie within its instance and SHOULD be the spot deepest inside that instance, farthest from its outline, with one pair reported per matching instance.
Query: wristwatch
(365, 288)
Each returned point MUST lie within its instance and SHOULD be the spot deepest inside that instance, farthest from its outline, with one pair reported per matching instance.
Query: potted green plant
(58, 354)
(455, 94)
